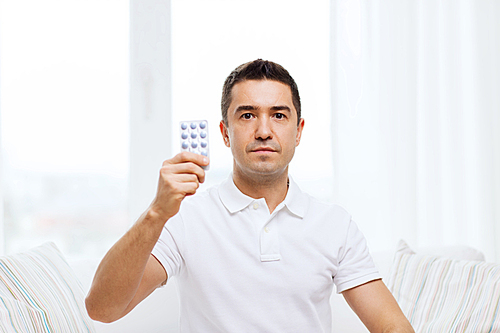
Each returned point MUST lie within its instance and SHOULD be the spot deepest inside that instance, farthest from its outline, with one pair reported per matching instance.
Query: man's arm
(377, 308)
(128, 273)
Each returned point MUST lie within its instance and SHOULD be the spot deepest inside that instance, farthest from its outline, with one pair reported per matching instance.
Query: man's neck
(272, 188)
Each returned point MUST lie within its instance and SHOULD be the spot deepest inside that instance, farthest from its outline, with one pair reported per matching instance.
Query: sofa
(447, 289)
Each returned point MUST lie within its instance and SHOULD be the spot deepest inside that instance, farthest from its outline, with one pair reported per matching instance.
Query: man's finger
(186, 156)
(183, 168)
(187, 178)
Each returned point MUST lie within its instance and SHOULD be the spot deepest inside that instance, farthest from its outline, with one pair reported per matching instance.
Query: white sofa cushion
(40, 293)
(439, 294)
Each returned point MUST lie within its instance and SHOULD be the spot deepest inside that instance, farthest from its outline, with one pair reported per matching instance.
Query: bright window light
(64, 112)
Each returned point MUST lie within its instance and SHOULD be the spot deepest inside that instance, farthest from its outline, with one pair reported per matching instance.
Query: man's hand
(180, 176)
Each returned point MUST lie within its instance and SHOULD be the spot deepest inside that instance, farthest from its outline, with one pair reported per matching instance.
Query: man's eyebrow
(242, 108)
(281, 108)
(246, 108)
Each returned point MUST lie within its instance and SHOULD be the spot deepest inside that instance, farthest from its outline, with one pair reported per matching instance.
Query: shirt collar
(296, 200)
(234, 201)
(231, 196)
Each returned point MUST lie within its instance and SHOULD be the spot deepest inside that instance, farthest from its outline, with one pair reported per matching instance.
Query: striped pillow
(445, 295)
(40, 293)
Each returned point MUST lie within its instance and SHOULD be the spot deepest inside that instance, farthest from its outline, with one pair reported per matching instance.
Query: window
(64, 123)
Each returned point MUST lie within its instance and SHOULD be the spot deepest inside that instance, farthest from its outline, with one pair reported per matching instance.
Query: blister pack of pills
(194, 137)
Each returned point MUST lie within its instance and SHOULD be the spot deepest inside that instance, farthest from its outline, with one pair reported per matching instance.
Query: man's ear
(225, 135)
(300, 127)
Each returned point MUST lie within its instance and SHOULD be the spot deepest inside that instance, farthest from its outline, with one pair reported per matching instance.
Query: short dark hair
(258, 70)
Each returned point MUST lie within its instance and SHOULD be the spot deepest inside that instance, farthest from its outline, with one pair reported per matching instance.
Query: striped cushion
(445, 295)
(40, 293)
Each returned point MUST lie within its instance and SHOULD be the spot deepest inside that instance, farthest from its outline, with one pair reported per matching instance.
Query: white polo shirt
(241, 269)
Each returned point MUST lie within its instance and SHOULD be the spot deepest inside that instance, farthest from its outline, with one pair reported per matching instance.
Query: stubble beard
(261, 171)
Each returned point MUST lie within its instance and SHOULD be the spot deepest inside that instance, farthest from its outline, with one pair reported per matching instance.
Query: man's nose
(263, 130)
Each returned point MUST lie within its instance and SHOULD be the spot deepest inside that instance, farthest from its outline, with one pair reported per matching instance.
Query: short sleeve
(356, 265)
(166, 250)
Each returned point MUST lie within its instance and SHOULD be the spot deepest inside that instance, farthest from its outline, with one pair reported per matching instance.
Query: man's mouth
(263, 150)
(263, 147)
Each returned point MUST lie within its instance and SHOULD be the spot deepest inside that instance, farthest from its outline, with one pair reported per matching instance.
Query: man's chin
(266, 169)
(261, 168)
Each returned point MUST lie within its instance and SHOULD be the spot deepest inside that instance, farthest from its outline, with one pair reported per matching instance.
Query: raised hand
(179, 177)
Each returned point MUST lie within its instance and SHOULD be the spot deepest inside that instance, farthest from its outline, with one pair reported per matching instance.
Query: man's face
(261, 128)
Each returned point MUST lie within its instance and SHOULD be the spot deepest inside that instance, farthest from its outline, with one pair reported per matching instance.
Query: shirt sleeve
(356, 265)
(166, 250)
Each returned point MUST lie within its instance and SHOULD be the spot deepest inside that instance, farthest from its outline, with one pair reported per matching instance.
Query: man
(254, 254)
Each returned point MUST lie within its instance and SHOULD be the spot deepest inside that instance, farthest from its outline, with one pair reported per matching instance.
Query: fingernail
(205, 160)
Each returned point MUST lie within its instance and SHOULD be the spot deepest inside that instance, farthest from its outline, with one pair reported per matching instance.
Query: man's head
(261, 121)
(258, 70)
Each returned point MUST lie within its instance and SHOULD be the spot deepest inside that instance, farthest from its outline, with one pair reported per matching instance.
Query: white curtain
(416, 120)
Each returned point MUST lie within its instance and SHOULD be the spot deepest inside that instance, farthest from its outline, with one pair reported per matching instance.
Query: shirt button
(255, 205)
(266, 229)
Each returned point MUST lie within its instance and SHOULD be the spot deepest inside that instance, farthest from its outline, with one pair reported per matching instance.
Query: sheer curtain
(416, 120)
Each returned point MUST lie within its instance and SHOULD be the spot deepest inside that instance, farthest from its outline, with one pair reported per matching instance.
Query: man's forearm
(402, 328)
(377, 308)
(120, 272)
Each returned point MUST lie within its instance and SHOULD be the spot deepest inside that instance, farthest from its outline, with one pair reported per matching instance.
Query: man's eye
(247, 115)
(279, 116)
